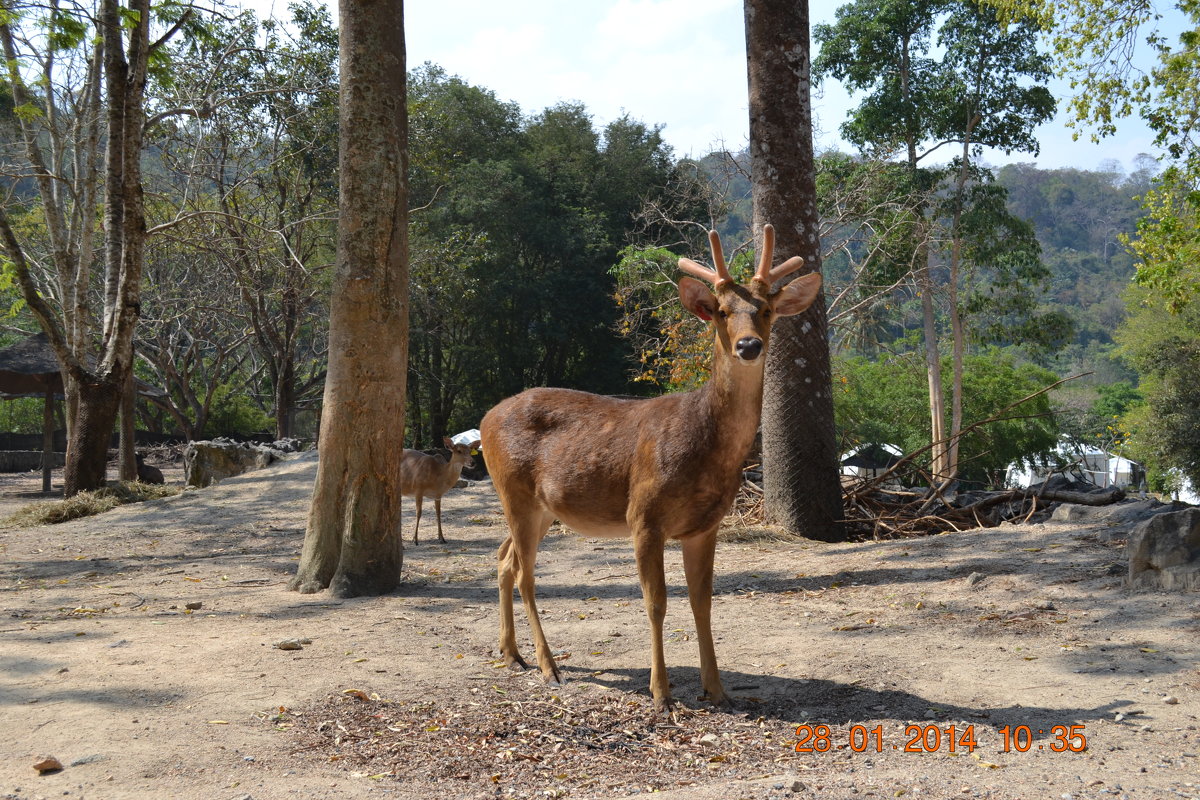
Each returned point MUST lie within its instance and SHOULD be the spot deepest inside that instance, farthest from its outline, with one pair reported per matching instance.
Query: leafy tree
(1164, 347)
(78, 76)
(518, 222)
(984, 91)
(883, 401)
(253, 187)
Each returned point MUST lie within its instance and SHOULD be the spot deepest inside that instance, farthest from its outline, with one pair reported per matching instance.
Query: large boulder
(205, 463)
(1164, 551)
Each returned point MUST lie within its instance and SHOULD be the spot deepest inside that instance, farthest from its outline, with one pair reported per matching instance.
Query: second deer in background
(424, 476)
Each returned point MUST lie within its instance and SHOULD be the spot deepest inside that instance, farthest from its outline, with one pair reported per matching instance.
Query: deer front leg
(437, 506)
(417, 526)
(526, 551)
(506, 575)
(649, 552)
(698, 553)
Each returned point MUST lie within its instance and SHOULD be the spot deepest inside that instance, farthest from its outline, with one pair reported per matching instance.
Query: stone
(1164, 552)
(205, 463)
(48, 764)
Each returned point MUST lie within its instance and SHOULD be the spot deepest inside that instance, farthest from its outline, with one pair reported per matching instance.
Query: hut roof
(29, 367)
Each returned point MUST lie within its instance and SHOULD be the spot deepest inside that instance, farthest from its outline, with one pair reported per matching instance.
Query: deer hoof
(723, 701)
(514, 660)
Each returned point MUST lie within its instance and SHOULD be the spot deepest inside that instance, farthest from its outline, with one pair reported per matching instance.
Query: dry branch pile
(875, 510)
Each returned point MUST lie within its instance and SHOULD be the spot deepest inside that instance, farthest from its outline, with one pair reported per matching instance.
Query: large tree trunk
(87, 452)
(803, 490)
(352, 544)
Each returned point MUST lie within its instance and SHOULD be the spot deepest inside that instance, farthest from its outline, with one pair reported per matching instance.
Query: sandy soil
(104, 666)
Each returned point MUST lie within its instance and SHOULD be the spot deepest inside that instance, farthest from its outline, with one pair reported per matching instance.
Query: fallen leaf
(356, 693)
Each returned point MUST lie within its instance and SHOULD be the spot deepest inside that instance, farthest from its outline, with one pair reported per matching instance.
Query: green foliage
(518, 221)
(886, 401)
(1164, 347)
(234, 414)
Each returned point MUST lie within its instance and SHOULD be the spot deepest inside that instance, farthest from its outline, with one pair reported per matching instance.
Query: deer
(424, 476)
(653, 469)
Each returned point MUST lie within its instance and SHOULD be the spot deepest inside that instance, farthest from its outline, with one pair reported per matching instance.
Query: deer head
(743, 313)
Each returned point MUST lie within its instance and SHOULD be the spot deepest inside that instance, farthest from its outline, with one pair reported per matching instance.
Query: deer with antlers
(655, 469)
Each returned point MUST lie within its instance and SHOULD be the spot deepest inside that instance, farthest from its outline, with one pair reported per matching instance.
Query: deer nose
(749, 348)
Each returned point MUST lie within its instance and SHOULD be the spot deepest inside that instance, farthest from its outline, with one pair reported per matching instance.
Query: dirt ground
(1024, 635)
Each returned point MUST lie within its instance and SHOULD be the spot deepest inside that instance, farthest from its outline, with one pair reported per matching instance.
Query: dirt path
(104, 666)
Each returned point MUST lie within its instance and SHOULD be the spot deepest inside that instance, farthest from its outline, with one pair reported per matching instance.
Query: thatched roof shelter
(29, 367)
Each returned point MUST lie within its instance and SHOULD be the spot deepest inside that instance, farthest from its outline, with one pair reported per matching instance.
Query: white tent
(1079, 462)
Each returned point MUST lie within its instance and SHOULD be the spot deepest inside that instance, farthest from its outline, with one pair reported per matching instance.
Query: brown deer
(424, 476)
(654, 469)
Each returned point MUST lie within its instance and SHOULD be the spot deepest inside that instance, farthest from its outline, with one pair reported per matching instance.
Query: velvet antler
(766, 274)
(717, 278)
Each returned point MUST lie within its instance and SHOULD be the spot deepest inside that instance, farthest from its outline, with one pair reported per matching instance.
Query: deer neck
(733, 397)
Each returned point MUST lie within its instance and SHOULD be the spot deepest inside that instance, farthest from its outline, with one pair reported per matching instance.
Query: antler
(765, 273)
(717, 278)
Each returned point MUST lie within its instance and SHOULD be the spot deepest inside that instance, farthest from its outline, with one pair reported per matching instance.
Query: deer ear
(797, 295)
(447, 442)
(697, 298)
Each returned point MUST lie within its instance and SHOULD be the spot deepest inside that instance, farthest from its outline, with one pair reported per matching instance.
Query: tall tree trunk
(127, 452)
(803, 490)
(933, 370)
(352, 545)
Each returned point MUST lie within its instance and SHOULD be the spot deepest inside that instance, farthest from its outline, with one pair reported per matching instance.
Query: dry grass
(87, 504)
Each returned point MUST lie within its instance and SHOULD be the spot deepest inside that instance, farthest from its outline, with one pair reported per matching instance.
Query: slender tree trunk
(803, 490)
(285, 400)
(933, 370)
(127, 453)
(352, 545)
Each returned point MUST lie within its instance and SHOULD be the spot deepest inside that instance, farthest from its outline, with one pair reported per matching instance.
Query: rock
(1164, 551)
(1171, 700)
(1122, 515)
(196, 606)
(48, 764)
(290, 644)
(974, 579)
(205, 463)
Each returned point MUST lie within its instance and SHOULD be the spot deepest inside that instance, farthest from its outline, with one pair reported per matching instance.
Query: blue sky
(678, 63)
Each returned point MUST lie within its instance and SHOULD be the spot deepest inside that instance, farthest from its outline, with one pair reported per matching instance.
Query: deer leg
(698, 552)
(437, 506)
(506, 575)
(417, 526)
(525, 539)
(649, 552)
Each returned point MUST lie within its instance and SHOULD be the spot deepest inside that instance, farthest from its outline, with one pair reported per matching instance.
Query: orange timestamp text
(934, 738)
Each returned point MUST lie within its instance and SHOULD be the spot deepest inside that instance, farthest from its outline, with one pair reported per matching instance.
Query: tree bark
(352, 545)
(801, 483)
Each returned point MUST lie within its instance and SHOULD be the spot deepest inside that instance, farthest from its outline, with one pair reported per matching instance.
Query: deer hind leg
(698, 552)
(648, 549)
(437, 506)
(417, 526)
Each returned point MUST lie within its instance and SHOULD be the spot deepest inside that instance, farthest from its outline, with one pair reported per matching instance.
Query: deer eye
(722, 313)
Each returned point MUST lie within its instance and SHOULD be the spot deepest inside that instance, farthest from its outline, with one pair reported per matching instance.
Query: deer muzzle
(748, 348)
